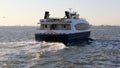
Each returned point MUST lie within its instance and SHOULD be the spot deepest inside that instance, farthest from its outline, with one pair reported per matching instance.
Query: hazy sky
(28, 12)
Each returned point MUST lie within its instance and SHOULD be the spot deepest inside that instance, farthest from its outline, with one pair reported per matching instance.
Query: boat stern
(52, 38)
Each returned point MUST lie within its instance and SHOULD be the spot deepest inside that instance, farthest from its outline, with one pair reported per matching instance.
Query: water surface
(18, 49)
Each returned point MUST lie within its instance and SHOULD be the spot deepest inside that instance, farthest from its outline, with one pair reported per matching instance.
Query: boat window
(82, 26)
(64, 26)
(53, 27)
(45, 26)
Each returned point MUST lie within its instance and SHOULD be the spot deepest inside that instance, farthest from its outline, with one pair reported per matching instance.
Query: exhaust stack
(46, 15)
(68, 14)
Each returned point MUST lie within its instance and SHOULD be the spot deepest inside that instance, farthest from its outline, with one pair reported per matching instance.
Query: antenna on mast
(70, 9)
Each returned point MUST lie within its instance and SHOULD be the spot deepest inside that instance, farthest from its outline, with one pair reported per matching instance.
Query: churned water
(18, 49)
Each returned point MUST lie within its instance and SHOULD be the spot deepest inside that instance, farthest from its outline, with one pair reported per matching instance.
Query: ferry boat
(67, 30)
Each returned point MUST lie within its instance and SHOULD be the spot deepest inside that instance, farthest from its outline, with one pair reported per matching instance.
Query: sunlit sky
(28, 12)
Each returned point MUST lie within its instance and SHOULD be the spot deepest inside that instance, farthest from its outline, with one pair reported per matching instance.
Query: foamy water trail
(31, 54)
(18, 53)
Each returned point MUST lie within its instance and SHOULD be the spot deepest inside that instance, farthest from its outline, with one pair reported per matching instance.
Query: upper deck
(55, 21)
(66, 19)
(68, 24)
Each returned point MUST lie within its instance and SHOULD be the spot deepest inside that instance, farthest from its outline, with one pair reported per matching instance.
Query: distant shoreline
(36, 25)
